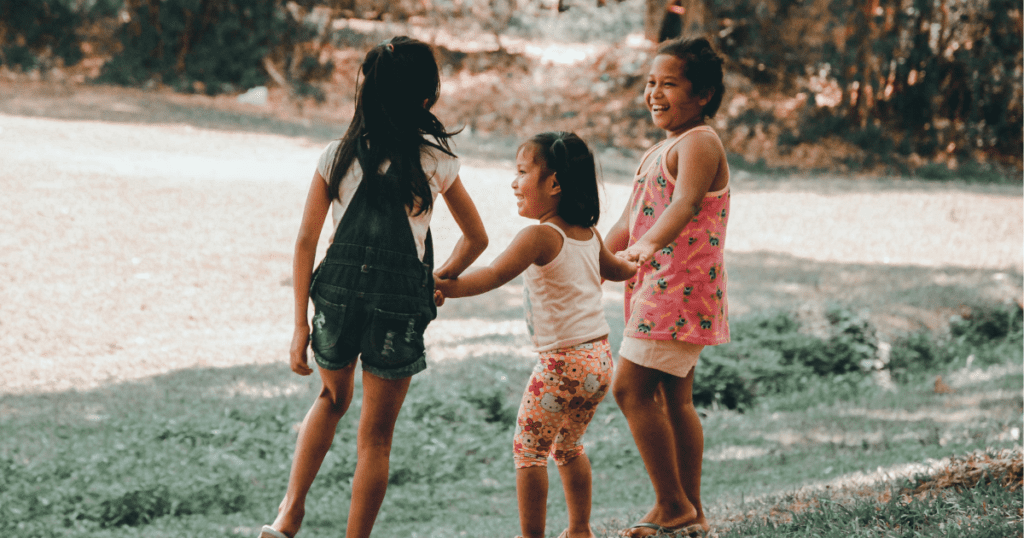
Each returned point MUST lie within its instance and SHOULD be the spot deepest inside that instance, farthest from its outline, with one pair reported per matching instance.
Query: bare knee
(337, 400)
(629, 396)
(375, 441)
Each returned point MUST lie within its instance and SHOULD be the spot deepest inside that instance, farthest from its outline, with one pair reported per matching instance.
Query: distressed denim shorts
(374, 304)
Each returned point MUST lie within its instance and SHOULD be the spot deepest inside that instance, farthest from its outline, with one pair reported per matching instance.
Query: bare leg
(382, 400)
(635, 388)
(315, 437)
(689, 437)
(576, 482)
(532, 494)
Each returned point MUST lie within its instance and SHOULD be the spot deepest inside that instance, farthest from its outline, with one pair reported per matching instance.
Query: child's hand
(640, 253)
(300, 341)
(442, 286)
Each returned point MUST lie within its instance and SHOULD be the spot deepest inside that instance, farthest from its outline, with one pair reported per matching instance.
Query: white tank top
(562, 298)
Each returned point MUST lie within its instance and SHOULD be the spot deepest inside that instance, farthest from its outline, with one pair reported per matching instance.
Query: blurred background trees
(916, 82)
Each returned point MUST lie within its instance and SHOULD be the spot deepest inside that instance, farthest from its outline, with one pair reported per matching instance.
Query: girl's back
(441, 169)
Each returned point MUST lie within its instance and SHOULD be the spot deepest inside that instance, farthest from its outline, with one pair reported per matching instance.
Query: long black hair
(702, 67)
(392, 120)
(568, 156)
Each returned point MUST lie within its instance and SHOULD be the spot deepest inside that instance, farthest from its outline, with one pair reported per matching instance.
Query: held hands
(441, 287)
(300, 342)
(640, 253)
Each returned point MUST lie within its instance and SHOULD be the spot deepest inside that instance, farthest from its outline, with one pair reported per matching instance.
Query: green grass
(207, 452)
(912, 508)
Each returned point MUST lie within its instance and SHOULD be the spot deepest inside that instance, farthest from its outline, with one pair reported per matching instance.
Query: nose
(515, 183)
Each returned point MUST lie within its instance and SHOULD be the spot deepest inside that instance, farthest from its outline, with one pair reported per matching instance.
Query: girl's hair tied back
(567, 155)
(702, 67)
(392, 120)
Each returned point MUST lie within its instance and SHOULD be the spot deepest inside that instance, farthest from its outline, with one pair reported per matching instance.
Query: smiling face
(669, 96)
(535, 187)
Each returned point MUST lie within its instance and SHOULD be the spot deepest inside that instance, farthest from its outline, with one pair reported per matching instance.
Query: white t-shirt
(441, 170)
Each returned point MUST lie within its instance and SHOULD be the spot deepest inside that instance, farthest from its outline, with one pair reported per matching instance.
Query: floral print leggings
(560, 399)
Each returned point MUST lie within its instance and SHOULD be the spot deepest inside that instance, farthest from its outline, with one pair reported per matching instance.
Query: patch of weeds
(770, 355)
(989, 334)
(976, 495)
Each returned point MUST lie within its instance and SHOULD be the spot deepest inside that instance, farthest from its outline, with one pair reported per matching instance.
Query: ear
(555, 187)
(705, 97)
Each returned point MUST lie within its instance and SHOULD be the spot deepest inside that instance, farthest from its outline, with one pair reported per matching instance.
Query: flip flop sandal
(271, 532)
(686, 531)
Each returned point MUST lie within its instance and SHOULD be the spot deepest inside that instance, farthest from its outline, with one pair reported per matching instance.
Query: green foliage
(770, 355)
(212, 46)
(38, 31)
(172, 459)
(913, 76)
(134, 470)
(990, 334)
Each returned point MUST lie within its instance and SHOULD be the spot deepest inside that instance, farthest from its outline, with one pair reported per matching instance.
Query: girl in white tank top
(564, 261)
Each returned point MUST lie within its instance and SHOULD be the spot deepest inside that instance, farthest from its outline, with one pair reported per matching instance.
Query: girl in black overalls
(373, 293)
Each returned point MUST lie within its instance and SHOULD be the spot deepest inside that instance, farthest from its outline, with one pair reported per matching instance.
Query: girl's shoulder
(441, 167)
(700, 141)
(326, 161)
(545, 240)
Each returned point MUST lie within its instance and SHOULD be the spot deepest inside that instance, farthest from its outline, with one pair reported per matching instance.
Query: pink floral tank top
(681, 293)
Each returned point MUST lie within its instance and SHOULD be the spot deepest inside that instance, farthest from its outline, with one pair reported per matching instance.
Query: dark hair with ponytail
(392, 121)
(702, 67)
(568, 156)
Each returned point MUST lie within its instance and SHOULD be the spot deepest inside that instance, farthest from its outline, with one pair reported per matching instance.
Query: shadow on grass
(898, 298)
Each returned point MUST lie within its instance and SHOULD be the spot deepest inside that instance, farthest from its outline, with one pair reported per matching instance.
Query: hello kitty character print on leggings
(560, 399)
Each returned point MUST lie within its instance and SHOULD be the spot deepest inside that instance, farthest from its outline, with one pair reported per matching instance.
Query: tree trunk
(654, 17)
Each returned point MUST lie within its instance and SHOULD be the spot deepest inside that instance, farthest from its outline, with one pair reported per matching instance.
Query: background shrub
(214, 46)
(38, 32)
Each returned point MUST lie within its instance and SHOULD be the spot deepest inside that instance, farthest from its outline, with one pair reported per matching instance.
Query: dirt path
(143, 234)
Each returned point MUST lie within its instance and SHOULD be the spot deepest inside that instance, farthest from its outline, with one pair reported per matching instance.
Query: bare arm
(318, 201)
(474, 238)
(618, 235)
(696, 165)
(613, 267)
(534, 244)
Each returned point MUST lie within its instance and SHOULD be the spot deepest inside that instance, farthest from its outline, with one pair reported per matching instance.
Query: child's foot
(567, 534)
(271, 532)
(659, 522)
(286, 523)
(694, 530)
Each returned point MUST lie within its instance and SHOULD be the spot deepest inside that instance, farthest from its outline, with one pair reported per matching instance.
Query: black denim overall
(372, 294)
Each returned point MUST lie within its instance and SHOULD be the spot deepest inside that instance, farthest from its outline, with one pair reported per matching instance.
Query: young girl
(674, 227)
(564, 261)
(373, 291)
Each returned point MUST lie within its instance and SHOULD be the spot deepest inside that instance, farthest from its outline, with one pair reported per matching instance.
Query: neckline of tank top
(565, 237)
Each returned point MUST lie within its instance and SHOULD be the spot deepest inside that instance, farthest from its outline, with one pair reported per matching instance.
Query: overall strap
(380, 215)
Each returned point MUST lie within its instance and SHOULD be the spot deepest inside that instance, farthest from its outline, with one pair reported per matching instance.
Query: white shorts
(670, 356)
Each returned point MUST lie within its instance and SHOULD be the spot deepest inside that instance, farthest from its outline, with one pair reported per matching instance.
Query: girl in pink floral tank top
(674, 228)
(680, 294)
